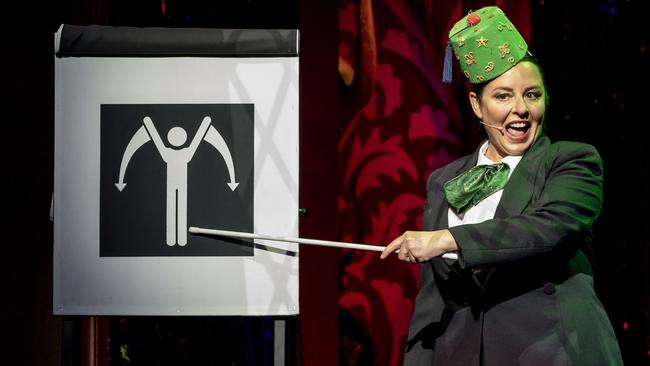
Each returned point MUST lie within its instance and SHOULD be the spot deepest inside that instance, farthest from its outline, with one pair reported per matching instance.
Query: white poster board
(148, 146)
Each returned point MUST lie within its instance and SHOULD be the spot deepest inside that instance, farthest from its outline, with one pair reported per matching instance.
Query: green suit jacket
(522, 293)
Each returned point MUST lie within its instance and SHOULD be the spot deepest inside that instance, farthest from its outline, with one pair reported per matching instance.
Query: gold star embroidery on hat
(481, 42)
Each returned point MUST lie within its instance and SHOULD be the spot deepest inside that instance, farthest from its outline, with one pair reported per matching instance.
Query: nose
(520, 107)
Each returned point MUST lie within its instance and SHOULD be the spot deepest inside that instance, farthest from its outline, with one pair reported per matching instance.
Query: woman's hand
(420, 246)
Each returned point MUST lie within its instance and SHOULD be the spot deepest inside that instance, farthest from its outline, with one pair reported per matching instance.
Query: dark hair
(478, 88)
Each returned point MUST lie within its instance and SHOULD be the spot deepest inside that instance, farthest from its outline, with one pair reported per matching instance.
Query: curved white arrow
(140, 138)
(215, 139)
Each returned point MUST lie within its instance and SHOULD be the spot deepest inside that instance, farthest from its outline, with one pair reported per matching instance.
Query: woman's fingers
(421, 246)
(401, 246)
(411, 258)
(404, 253)
(394, 246)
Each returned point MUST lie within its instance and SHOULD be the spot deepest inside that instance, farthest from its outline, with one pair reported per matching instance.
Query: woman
(521, 291)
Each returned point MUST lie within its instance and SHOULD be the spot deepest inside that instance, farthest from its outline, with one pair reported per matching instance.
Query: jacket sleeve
(560, 212)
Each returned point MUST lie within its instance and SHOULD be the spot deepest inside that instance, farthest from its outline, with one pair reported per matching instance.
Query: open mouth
(518, 130)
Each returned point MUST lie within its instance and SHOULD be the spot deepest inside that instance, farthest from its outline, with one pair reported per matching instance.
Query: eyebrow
(509, 89)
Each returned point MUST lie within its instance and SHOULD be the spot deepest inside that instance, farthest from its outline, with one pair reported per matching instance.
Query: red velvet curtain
(397, 123)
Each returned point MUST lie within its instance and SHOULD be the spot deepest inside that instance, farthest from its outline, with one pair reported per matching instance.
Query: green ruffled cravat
(471, 187)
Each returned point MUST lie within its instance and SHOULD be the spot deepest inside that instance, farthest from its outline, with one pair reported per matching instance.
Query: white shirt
(485, 209)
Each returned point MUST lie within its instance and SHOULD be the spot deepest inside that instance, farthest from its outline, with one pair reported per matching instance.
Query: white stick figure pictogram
(177, 160)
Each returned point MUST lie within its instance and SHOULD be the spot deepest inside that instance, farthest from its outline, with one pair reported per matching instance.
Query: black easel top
(108, 41)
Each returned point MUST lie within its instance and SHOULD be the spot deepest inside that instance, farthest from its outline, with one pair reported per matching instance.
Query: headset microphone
(493, 126)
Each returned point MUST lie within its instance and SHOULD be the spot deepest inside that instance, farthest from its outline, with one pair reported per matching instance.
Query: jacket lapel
(519, 188)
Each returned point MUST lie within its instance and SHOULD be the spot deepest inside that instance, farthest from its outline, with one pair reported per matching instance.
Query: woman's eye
(534, 95)
(502, 97)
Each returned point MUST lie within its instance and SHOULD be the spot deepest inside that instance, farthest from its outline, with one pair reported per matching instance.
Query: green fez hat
(486, 45)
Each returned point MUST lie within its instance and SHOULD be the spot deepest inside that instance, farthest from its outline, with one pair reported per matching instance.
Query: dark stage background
(375, 119)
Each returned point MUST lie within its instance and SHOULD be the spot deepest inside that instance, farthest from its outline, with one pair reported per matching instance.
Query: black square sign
(166, 167)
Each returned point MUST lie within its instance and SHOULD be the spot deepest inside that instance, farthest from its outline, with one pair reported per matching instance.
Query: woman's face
(515, 101)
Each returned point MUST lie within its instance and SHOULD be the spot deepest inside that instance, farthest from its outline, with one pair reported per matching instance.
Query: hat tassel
(447, 68)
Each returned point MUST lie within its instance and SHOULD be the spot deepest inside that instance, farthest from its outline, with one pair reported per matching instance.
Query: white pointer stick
(326, 243)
